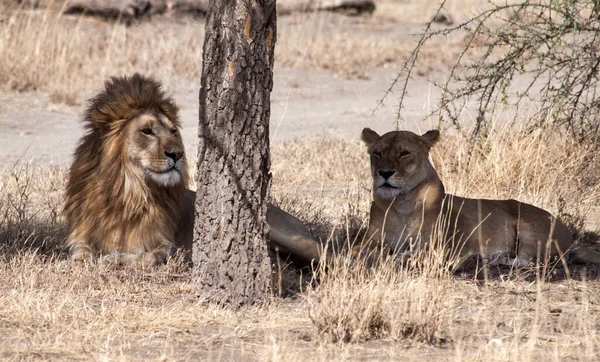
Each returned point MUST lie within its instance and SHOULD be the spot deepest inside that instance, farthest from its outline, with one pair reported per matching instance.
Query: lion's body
(127, 194)
(411, 210)
(125, 187)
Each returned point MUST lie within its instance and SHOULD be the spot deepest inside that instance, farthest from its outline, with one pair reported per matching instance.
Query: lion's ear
(369, 136)
(431, 137)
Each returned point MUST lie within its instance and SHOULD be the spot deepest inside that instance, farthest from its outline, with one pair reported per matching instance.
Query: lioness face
(398, 160)
(154, 145)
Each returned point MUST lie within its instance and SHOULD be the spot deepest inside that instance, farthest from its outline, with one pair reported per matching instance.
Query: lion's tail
(586, 255)
(289, 234)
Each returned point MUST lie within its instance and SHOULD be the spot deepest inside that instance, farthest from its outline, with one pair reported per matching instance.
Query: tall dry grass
(67, 55)
(356, 300)
(541, 167)
(31, 200)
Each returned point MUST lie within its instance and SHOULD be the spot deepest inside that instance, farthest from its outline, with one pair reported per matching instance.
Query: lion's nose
(385, 174)
(174, 155)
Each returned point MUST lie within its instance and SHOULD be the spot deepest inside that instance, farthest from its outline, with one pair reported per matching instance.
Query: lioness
(410, 208)
(126, 196)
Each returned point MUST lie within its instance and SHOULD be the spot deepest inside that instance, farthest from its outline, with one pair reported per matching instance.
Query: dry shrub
(30, 209)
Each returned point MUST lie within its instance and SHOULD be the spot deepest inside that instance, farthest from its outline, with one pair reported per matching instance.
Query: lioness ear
(369, 136)
(431, 137)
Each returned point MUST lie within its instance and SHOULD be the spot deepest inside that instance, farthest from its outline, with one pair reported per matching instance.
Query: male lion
(411, 210)
(126, 195)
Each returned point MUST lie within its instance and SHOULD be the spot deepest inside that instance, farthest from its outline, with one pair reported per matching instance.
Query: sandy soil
(304, 103)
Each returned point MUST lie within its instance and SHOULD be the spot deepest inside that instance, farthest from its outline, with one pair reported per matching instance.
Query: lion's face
(399, 160)
(155, 147)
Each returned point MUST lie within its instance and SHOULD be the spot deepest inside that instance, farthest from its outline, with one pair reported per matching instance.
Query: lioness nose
(385, 174)
(174, 155)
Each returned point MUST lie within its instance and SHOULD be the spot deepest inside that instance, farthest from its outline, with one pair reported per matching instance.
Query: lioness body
(126, 195)
(411, 209)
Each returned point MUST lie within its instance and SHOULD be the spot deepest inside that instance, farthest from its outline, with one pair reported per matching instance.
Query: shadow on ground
(17, 238)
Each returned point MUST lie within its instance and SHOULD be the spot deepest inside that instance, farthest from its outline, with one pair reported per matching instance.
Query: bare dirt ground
(304, 103)
(331, 70)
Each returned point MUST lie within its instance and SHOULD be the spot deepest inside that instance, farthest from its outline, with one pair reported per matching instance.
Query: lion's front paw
(143, 260)
(81, 253)
(122, 259)
(504, 260)
(113, 258)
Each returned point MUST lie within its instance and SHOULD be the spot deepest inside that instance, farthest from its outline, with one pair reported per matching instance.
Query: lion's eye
(404, 154)
(147, 131)
(173, 132)
(377, 154)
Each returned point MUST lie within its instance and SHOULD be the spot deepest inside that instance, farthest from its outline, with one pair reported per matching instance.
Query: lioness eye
(376, 154)
(147, 131)
(173, 131)
(404, 154)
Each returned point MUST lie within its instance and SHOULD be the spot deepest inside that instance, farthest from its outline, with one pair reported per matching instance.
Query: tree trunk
(232, 264)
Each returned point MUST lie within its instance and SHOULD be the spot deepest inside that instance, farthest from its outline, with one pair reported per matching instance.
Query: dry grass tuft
(350, 303)
(356, 302)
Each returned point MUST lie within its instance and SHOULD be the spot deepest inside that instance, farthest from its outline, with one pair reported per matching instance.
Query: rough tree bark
(232, 264)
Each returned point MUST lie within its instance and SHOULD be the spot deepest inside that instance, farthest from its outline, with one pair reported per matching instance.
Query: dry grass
(356, 301)
(53, 309)
(30, 208)
(68, 56)
(543, 167)
(344, 45)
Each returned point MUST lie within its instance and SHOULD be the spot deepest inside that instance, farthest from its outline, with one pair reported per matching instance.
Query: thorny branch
(554, 46)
